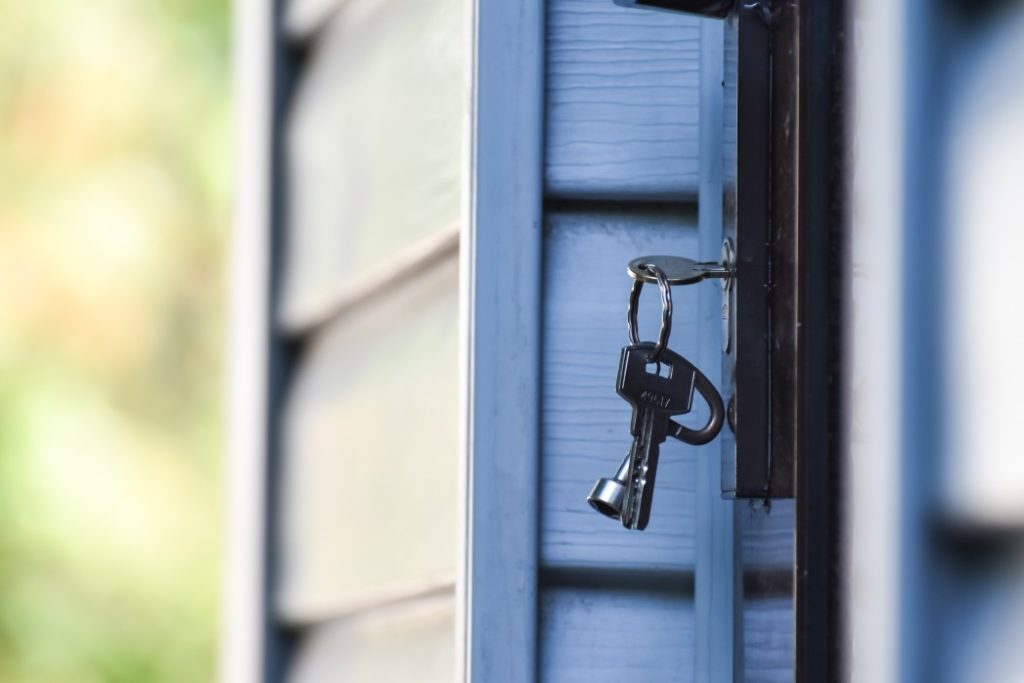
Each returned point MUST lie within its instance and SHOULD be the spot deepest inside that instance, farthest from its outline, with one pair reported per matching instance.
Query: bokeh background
(114, 200)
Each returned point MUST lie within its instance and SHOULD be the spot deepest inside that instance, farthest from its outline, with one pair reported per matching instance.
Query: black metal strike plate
(760, 361)
(761, 366)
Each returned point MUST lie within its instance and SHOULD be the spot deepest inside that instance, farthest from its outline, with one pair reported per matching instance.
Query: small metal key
(659, 384)
(679, 270)
(655, 396)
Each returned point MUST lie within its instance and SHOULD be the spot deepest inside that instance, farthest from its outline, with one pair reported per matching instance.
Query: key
(657, 391)
(680, 270)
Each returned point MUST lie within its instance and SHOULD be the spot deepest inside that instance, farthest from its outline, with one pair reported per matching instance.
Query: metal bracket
(760, 219)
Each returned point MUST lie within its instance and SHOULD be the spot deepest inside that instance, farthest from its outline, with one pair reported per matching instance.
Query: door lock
(765, 295)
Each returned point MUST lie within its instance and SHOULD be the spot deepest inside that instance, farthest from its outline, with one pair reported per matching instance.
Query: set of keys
(659, 384)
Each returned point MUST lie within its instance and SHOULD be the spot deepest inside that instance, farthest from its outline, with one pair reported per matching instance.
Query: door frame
(822, 222)
(501, 274)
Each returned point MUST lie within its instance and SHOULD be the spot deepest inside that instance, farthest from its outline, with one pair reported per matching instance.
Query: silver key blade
(655, 397)
(643, 467)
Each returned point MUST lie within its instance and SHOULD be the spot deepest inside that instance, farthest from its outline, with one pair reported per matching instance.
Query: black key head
(665, 386)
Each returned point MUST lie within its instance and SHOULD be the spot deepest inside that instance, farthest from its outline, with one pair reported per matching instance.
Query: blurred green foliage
(114, 194)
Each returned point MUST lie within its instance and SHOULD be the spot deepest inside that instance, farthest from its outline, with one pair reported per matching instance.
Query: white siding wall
(367, 525)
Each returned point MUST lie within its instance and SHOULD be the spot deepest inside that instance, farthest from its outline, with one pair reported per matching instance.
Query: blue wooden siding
(630, 146)
(585, 424)
(611, 634)
(622, 133)
(767, 617)
(623, 98)
(628, 157)
(767, 536)
(768, 640)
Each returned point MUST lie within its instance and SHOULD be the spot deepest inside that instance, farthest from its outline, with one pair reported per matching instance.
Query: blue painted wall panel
(592, 635)
(585, 425)
(623, 96)
(769, 644)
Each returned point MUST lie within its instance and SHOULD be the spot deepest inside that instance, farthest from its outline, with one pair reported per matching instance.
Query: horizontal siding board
(612, 635)
(767, 538)
(411, 641)
(374, 147)
(768, 535)
(368, 490)
(768, 642)
(585, 424)
(623, 95)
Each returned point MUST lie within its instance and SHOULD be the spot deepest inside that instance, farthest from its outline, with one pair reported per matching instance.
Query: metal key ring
(666, 311)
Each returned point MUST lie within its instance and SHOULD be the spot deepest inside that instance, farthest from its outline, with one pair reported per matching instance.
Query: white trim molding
(241, 655)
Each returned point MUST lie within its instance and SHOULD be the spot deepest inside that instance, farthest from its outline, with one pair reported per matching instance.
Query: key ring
(666, 311)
